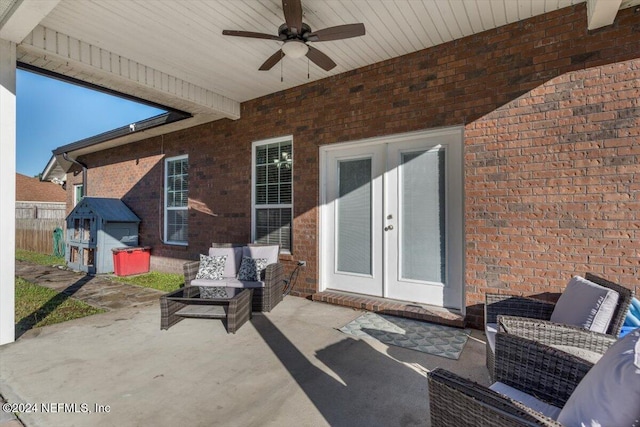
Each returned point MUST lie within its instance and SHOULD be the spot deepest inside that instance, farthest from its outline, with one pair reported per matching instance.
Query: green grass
(39, 306)
(38, 258)
(166, 282)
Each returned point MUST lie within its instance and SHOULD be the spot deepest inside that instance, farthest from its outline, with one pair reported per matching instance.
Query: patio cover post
(8, 193)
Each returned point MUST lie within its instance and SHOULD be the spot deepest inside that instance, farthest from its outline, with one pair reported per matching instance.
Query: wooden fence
(41, 210)
(36, 234)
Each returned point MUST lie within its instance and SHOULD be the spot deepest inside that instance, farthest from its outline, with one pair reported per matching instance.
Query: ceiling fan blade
(273, 60)
(250, 35)
(293, 15)
(337, 33)
(320, 59)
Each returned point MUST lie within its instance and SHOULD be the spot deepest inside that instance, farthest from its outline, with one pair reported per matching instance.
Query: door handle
(389, 227)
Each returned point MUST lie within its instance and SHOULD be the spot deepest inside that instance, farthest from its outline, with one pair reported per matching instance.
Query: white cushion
(234, 256)
(526, 399)
(490, 330)
(609, 395)
(269, 252)
(586, 304)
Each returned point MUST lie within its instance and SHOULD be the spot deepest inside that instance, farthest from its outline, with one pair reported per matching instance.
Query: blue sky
(52, 113)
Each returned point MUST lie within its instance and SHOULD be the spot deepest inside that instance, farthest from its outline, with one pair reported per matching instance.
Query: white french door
(392, 218)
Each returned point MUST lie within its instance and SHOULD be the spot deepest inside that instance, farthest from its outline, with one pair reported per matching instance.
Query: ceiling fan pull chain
(308, 69)
(281, 72)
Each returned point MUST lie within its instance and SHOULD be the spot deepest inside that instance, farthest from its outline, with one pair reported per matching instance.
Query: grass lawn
(39, 306)
(166, 282)
(38, 258)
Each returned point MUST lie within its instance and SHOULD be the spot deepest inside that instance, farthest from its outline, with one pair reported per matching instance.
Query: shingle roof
(33, 190)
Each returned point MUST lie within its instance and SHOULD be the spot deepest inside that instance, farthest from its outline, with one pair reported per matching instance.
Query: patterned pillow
(213, 292)
(250, 268)
(211, 267)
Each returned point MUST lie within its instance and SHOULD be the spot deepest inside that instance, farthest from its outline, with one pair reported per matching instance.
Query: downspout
(84, 171)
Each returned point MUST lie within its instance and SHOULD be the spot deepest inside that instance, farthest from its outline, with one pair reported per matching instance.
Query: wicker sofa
(530, 318)
(267, 291)
(530, 377)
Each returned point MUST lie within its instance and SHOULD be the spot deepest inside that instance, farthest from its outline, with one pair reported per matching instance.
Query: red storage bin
(128, 261)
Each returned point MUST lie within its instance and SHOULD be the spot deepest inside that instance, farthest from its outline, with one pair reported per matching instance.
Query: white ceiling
(184, 38)
(173, 52)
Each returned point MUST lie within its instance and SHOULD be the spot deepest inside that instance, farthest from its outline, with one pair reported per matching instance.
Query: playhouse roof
(111, 210)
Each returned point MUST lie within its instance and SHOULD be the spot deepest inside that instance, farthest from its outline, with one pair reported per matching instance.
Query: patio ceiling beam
(22, 16)
(601, 13)
(63, 54)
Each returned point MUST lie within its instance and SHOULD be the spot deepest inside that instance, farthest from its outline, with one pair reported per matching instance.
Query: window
(273, 192)
(176, 200)
(78, 193)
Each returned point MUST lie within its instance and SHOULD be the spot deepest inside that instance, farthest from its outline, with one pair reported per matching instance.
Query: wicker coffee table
(186, 302)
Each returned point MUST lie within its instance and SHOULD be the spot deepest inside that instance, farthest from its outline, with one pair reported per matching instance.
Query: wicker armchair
(265, 298)
(529, 318)
(533, 368)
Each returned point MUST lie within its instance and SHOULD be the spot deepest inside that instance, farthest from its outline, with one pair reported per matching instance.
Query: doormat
(438, 340)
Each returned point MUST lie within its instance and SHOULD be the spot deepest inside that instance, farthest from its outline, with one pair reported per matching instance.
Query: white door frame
(455, 297)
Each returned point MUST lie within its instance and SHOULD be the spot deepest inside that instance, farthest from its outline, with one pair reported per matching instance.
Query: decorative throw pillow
(609, 394)
(251, 268)
(211, 267)
(586, 304)
(234, 257)
(213, 292)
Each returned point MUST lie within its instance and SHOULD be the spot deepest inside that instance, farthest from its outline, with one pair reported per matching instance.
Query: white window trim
(75, 193)
(254, 147)
(166, 208)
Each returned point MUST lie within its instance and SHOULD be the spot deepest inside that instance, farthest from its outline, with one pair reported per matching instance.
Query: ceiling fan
(296, 34)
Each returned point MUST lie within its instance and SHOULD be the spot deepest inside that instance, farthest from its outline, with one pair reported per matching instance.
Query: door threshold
(410, 310)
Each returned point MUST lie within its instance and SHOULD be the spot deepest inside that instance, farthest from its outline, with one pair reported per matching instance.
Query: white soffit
(50, 50)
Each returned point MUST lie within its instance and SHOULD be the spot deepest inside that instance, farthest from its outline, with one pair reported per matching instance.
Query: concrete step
(406, 309)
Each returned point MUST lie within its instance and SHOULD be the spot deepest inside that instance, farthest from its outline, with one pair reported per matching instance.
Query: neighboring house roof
(33, 190)
(113, 210)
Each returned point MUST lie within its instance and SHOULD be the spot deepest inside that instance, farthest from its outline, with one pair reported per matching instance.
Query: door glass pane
(354, 216)
(422, 202)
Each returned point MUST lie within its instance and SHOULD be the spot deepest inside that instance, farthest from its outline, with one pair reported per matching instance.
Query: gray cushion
(583, 353)
(229, 282)
(211, 267)
(269, 252)
(586, 304)
(526, 399)
(251, 268)
(609, 394)
(490, 330)
(234, 256)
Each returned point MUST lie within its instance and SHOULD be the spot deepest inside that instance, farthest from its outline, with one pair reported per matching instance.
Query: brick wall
(549, 151)
(552, 182)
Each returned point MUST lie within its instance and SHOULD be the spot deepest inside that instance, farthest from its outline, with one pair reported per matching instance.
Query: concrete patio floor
(290, 367)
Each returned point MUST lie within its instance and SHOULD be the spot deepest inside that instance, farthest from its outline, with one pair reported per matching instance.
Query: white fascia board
(107, 69)
(24, 17)
(601, 13)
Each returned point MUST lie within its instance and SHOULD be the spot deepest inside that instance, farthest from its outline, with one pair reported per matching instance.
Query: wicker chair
(533, 368)
(529, 318)
(264, 299)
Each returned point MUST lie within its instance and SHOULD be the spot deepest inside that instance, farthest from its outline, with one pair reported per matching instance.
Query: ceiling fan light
(295, 48)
